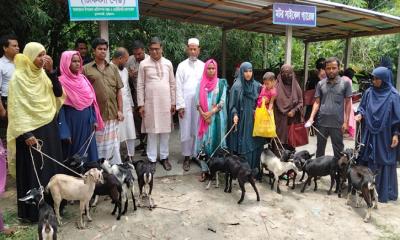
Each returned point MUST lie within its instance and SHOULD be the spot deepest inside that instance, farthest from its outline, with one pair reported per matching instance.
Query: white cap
(194, 41)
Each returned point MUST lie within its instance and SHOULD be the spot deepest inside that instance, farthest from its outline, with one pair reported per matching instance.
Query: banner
(295, 15)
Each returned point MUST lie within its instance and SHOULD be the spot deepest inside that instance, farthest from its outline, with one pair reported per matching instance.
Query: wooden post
(347, 53)
(398, 71)
(104, 35)
(288, 45)
(223, 53)
(306, 61)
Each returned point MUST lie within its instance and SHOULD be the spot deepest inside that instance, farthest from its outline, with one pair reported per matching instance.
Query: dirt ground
(186, 210)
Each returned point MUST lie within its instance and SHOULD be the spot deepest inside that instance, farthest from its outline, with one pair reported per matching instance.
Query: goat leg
(272, 184)
(241, 185)
(87, 211)
(253, 184)
(133, 199)
(305, 184)
(118, 206)
(332, 182)
(375, 199)
(217, 179)
(302, 176)
(230, 183)
(82, 213)
(226, 182)
(348, 202)
(278, 190)
(294, 180)
(315, 184)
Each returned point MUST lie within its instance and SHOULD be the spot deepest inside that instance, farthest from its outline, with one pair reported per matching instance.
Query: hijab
(287, 90)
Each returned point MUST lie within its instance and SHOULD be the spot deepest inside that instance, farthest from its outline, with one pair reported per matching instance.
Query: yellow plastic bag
(264, 122)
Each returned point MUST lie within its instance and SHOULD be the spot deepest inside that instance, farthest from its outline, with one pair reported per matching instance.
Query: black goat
(113, 188)
(321, 166)
(237, 168)
(300, 158)
(47, 224)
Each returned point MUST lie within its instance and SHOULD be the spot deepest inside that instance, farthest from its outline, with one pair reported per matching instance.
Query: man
(156, 101)
(332, 98)
(81, 47)
(107, 84)
(133, 66)
(10, 48)
(188, 77)
(126, 128)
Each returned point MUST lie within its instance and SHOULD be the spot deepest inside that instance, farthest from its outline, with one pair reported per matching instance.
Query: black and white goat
(145, 173)
(47, 224)
(277, 168)
(124, 174)
(361, 182)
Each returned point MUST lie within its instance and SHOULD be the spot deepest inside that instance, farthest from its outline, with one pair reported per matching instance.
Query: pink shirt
(267, 93)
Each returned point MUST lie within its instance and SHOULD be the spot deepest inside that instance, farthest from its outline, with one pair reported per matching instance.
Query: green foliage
(26, 232)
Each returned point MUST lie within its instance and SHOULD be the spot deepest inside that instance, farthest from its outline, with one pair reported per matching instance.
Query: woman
(210, 101)
(80, 113)
(380, 127)
(289, 103)
(33, 104)
(242, 105)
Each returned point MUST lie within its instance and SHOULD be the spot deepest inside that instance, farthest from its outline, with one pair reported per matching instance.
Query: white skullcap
(194, 41)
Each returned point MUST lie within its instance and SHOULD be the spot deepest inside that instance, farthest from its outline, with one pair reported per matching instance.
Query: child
(268, 91)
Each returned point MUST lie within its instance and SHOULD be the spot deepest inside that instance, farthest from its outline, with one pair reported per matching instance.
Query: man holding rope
(332, 98)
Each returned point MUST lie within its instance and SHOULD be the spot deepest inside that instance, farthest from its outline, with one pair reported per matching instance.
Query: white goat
(72, 188)
(273, 164)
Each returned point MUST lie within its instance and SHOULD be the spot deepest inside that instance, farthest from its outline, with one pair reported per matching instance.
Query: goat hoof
(339, 195)
(376, 206)
(279, 192)
(366, 219)
(118, 218)
(329, 192)
(302, 191)
(293, 187)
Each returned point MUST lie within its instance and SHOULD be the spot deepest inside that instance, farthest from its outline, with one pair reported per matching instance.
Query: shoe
(139, 147)
(186, 164)
(166, 164)
(143, 154)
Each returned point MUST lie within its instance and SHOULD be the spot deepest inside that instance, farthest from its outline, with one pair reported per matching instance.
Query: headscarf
(80, 93)
(287, 90)
(207, 84)
(31, 101)
(247, 85)
(379, 99)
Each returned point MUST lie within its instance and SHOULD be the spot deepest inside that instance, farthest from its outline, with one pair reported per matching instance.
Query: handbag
(308, 96)
(297, 134)
(264, 122)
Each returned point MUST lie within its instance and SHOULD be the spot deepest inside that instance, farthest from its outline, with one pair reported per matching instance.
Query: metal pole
(288, 45)
(223, 53)
(347, 53)
(306, 61)
(398, 71)
(104, 35)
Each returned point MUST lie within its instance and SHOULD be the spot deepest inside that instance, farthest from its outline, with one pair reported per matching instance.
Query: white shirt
(7, 69)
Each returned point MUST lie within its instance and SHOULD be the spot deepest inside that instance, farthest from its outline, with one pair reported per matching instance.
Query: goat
(124, 174)
(215, 164)
(237, 168)
(47, 224)
(111, 187)
(301, 157)
(145, 172)
(361, 182)
(71, 188)
(278, 168)
(321, 166)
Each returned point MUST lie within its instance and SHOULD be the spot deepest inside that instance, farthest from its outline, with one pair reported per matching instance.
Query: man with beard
(332, 98)
(188, 77)
(126, 128)
(138, 55)
(107, 84)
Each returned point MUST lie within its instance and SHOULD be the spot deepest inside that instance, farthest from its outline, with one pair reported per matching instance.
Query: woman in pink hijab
(348, 76)
(80, 114)
(211, 104)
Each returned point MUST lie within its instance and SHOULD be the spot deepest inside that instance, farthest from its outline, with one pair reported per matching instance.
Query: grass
(23, 232)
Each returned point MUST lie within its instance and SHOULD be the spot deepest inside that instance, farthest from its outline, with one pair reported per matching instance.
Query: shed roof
(334, 20)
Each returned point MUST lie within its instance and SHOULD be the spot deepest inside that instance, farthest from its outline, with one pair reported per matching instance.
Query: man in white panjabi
(156, 101)
(126, 128)
(188, 76)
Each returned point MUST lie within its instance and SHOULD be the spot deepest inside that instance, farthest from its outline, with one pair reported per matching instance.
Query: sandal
(186, 164)
(166, 164)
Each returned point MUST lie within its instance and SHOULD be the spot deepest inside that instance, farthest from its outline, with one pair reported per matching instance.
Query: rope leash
(88, 141)
(222, 140)
(52, 159)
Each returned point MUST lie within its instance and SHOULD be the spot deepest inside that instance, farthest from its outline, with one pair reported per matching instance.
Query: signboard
(294, 14)
(89, 10)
